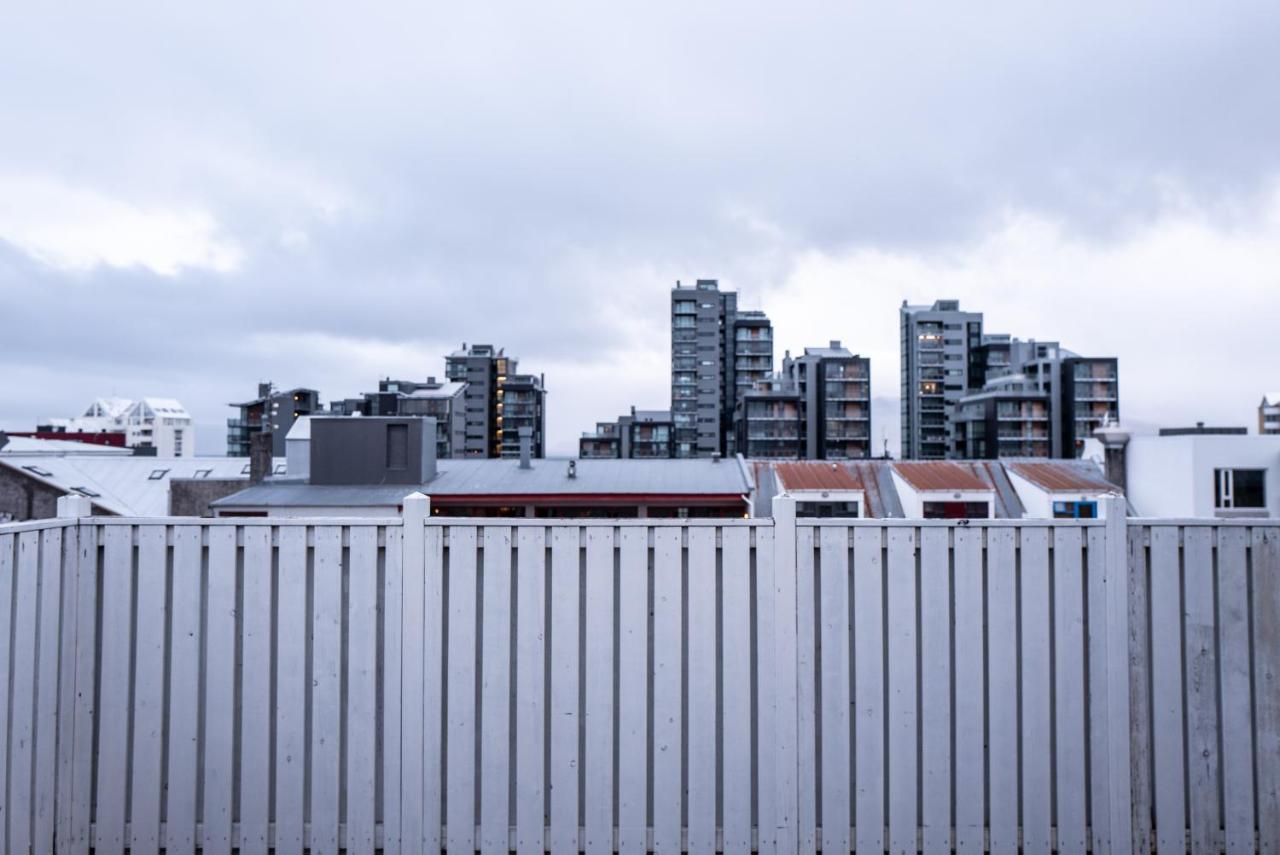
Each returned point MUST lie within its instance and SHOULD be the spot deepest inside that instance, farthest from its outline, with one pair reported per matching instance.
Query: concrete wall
(23, 498)
(1172, 476)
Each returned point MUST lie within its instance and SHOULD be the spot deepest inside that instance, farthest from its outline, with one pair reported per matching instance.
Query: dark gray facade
(940, 349)
(642, 434)
(443, 401)
(376, 450)
(273, 413)
(717, 353)
(489, 430)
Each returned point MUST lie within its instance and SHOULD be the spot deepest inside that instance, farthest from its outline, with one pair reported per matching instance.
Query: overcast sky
(196, 197)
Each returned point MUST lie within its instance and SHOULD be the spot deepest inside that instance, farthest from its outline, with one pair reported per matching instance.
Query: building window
(826, 509)
(956, 511)
(397, 446)
(1239, 488)
(1075, 510)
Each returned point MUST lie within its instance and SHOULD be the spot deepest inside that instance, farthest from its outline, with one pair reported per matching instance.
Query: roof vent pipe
(573, 469)
(526, 447)
(715, 457)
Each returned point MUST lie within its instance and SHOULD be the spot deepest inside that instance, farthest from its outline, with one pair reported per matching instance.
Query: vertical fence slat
(667, 713)
(22, 710)
(362, 687)
(736, 643)
(291, 690)
(1002, 692)
(1069, 688)
(805, 616)
(868, 651)
(8, 543)
(531, 589)
(935, 689)
(64, 838)
(598, 761)
(1096, 678)
(113, 708)
(1233, 665)
(1037, 717)
(1201, 683)
(767, 693)
(633, 691)
(460, 741)
(1166, 681)
(564, 689)
(786, 748)
(701, 738)
(219, 691)
(413, 676)
(903, 715)
(1266, 675)
(43, 807)
(184, 691)
(431, 671)
(148, 689)
(495, 703)
(255, 691)
(1136, 593)
(324, 768)
(392, 677)
(1118, 732)
(970, 701)
(833, 618)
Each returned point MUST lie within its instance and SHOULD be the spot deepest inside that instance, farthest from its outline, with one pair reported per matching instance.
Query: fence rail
(417, 685)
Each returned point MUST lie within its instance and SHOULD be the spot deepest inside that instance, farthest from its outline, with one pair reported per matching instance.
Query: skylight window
(85, 491)
(203, 473)
(245, 470)
(157, 474)
(280, 469)
(43, 473)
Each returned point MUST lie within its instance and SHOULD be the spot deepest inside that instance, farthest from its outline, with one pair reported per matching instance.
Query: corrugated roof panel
(812, 475)
(939, 475)
(1062, 476)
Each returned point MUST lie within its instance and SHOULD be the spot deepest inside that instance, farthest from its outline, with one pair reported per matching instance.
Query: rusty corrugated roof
(1061, 476)
(939, 475)
(812, 475)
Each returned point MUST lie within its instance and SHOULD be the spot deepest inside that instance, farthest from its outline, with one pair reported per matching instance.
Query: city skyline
(178, 225)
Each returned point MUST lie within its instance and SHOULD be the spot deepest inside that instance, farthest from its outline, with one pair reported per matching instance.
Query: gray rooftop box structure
(364, 450)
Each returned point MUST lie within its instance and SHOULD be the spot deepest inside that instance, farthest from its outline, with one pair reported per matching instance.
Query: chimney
(1115, 441)
(526, 447)
(429, 450)
(835, 344)
(260, 447)
(264, 390)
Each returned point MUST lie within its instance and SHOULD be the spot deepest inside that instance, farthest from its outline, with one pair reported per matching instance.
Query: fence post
(786, 748)
(73, 507)
(74, 743)
(409, 789)
(1119, 733)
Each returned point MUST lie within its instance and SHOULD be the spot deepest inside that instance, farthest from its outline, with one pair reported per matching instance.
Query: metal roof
(813, 475)
(1062, 475)
(940, 475)
(126, 486)
(30, 445)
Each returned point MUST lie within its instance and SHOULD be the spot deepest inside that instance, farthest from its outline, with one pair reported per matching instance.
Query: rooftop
(940, 475)
(1061, 475)
(813, 475)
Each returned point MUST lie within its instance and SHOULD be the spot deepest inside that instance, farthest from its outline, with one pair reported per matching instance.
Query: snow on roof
(108, 408)
(29, 445)
(444, 390)
(1271, 399)
(126, 486)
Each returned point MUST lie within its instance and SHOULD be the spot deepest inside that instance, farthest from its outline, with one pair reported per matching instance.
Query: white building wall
(913, 500)
(1037, 502)
(1172, 476)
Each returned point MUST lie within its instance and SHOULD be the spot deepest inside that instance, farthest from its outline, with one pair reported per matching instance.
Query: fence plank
(325, 767)
(1037, 716)
(1099, 819)
(786, 750)
(255, 690)
(935, 689)
(667, 712)
(868, 653)
(565, 590)
(1002, 693)
(903, 715)
(291, 690)
(736, 754)
(495, 702)
(81, 666)
(1266, 675)
(701, 737)
(767, 694)
(184, 690)
(597, 763)
(113, 707)
(1166, 696)
(8, 563)
(633, 691)
(970, 700)
(220, 691)
(1070, 721)
(1201, 682)
(460, 741)
(148, 690)
(1137, 596)
(361, 747)
(531, 590)
(834, 622)
(22, 710)
(391, 673)
(432, 669)
(416, 788)
(1233, 669)
(43, 805)
(806, 619)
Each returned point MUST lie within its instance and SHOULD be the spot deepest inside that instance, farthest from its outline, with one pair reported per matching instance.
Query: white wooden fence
(418, 685)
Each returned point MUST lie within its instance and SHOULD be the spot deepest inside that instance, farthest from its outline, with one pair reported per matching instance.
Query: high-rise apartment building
(497, 402)
(717, 353)
(272, 412)
(443, 401)
(1269, 414)
(942, 356)
(641, 434)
